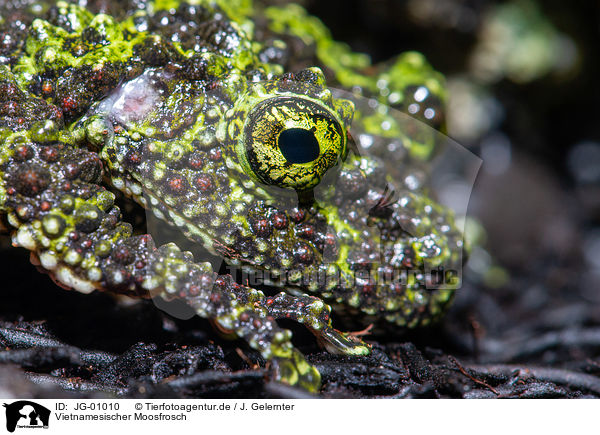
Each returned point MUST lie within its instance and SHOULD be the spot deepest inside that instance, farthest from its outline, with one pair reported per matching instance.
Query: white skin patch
(135, 99)
(66, 277)
(24, 238)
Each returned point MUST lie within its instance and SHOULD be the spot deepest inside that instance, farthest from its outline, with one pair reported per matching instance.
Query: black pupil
(298, 145)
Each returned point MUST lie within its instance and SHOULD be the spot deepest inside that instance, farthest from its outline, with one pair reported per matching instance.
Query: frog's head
(224, 164)
(288, 132)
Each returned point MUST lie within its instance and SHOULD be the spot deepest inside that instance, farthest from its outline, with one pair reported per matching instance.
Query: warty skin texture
(182, 106)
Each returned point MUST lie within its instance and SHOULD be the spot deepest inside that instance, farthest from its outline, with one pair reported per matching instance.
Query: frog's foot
(315, 314)
(274, 343)
(234, 309)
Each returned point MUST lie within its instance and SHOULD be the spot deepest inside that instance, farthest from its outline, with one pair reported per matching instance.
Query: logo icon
(26, 414)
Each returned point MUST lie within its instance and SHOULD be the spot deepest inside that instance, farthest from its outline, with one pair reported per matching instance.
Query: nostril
(298, 145)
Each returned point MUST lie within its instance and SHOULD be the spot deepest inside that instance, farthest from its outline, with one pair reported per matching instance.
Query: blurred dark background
(544, 116)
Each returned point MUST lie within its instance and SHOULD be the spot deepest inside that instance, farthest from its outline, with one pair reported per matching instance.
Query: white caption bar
(259, 417)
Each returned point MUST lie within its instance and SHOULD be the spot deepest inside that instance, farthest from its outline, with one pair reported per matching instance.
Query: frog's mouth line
(206, 248)
(191, 231)
(216, 249)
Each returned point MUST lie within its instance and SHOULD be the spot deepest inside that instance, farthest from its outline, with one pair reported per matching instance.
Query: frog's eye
(291, 142)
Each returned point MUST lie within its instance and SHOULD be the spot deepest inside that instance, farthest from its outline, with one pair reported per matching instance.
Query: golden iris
(291, 142)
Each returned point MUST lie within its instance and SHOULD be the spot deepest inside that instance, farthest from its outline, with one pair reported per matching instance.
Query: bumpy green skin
(199, 147)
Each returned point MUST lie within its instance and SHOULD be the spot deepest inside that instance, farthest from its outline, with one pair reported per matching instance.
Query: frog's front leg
(51, 195)
(315, 315)
(240, 309)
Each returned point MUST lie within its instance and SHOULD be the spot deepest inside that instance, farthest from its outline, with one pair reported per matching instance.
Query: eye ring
(291, 142)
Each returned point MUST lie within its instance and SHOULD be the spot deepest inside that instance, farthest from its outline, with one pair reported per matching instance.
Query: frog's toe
(342, 343)
(296, 371)
(316, 315)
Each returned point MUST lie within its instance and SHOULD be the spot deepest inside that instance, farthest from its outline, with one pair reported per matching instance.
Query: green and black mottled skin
(207, 88)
